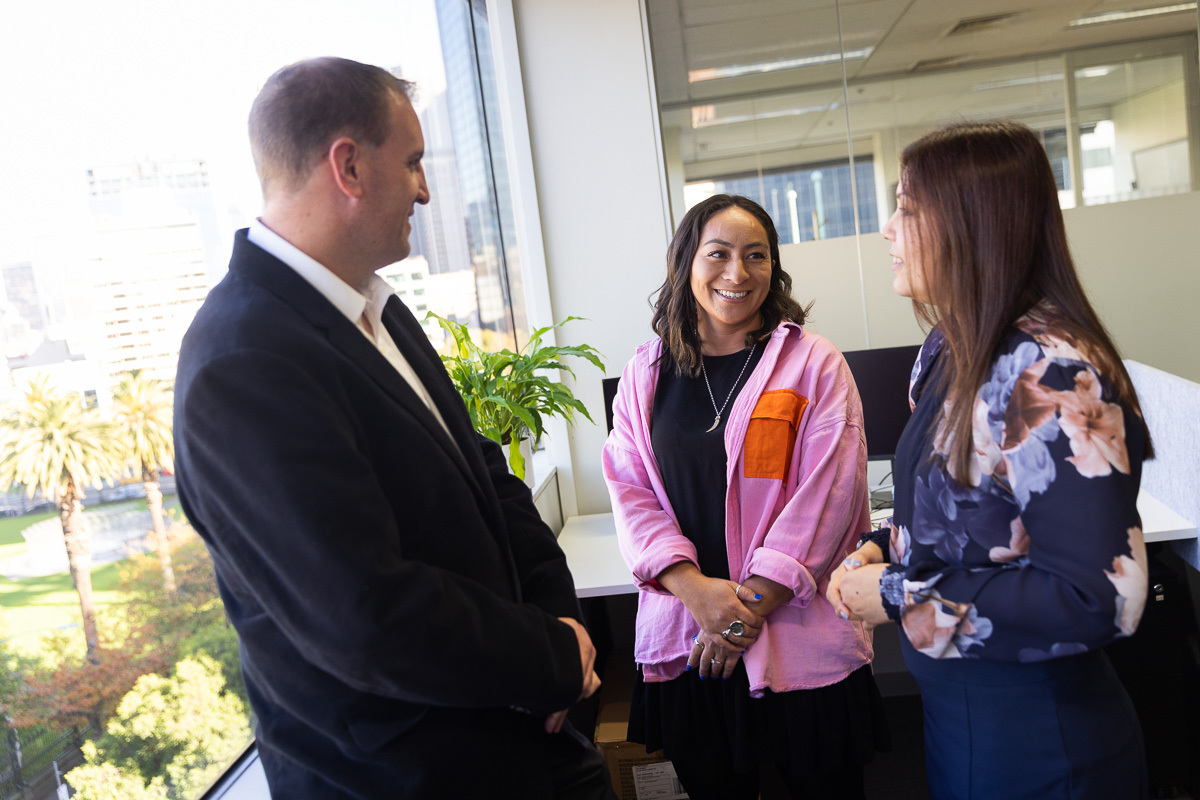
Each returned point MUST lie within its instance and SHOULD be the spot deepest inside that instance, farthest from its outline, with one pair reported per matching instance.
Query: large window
(812, 202)
(128, 172)
(465, 243)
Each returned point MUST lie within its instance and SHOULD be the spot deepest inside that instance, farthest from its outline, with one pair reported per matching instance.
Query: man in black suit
(408, 626)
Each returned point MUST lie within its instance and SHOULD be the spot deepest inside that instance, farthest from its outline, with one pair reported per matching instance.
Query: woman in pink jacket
(737, 469)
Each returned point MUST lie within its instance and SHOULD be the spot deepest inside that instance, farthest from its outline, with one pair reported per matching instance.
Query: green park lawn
(11, 543)
(34, 606)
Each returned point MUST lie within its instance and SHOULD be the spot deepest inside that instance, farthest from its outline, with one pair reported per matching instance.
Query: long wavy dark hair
(992, 248)
(675, 319)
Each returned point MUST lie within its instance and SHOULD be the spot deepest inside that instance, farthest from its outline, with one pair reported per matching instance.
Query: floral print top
(1039, 553)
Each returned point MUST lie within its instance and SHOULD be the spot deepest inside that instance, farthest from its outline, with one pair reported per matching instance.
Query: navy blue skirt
(1062, 729)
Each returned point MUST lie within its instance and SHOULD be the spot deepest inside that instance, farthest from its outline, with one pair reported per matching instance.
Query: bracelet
(880, 537)
(891, 593)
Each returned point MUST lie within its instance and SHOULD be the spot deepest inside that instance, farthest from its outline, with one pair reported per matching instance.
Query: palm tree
(142, 412)
(53, 445)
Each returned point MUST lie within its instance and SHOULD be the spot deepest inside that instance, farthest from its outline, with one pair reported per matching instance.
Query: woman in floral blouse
(1015, 552)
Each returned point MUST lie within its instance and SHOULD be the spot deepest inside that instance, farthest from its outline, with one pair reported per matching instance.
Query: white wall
(593, 132)
(1140, 264)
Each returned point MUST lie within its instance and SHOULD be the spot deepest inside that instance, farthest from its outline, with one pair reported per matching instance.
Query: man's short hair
(307, 105)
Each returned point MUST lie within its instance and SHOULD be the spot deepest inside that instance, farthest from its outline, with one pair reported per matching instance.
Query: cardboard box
(612, 728)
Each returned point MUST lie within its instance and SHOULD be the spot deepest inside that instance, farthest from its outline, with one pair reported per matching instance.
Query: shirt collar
(348, 300)
(378, 292)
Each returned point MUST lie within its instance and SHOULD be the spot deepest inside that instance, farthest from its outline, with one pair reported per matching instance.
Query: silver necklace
(721, 410)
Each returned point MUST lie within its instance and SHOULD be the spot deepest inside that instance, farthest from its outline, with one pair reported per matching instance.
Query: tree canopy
(175, 734)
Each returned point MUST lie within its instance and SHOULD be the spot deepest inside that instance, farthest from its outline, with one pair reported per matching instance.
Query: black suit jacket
(395, 592)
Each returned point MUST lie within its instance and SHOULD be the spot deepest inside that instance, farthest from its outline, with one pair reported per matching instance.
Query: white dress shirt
(348, 300)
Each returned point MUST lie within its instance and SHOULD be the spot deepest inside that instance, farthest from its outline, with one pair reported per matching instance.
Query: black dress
(716, 734)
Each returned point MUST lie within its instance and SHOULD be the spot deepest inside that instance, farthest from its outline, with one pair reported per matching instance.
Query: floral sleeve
(1039, 553)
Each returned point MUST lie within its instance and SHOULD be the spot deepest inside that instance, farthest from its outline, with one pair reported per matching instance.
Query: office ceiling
(927, 58)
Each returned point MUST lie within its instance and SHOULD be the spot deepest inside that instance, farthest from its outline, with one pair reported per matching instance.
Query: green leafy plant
(169, 739)
(508, 393)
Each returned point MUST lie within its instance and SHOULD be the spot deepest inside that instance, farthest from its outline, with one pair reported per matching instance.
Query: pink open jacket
(796, 504)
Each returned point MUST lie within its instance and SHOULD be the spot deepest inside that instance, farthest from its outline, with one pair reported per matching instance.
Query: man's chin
(401, 253)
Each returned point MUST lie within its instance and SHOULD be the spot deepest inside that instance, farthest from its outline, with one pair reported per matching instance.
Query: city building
(145, 278)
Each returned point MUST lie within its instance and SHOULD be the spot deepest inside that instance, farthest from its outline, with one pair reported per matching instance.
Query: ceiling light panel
(1136, 13)
(706, 116)
(737, 70)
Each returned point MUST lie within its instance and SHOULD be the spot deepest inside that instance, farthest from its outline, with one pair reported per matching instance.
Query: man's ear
(344, 160)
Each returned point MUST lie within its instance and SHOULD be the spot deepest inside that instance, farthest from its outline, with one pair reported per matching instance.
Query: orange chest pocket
(771, 436)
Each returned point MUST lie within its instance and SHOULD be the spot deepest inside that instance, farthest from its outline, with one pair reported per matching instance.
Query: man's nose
(423, 191)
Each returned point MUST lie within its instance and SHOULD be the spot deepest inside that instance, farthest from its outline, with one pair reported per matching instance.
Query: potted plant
(508, 393)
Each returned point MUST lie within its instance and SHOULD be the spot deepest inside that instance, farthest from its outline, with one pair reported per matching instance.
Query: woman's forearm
(681, 579)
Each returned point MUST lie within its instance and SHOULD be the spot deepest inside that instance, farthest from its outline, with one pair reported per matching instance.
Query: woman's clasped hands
(728, 625)
(854, 586)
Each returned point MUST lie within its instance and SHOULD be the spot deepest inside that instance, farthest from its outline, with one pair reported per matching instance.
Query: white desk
(1161, 524)
(590, 543)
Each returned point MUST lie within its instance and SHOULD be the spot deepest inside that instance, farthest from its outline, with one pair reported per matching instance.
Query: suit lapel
(414, 346)
(406, 332)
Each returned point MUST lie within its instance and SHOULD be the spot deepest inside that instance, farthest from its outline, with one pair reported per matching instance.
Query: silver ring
(738, 592)
(712, 662)
(737, 628)
(696, 642)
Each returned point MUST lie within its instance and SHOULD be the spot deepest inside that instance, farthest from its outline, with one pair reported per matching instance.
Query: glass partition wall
(806, 106)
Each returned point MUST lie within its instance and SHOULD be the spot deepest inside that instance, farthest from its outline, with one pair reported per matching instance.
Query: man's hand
(555, 721)
(587, 657)
(591, 681)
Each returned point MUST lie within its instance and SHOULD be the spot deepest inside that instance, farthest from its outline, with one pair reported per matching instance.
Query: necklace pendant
(732, 389)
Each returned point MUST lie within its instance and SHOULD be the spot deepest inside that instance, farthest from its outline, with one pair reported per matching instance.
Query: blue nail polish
(701, 677)
(689, 666)
(758, 597)
(743, 652)
(843, 615)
